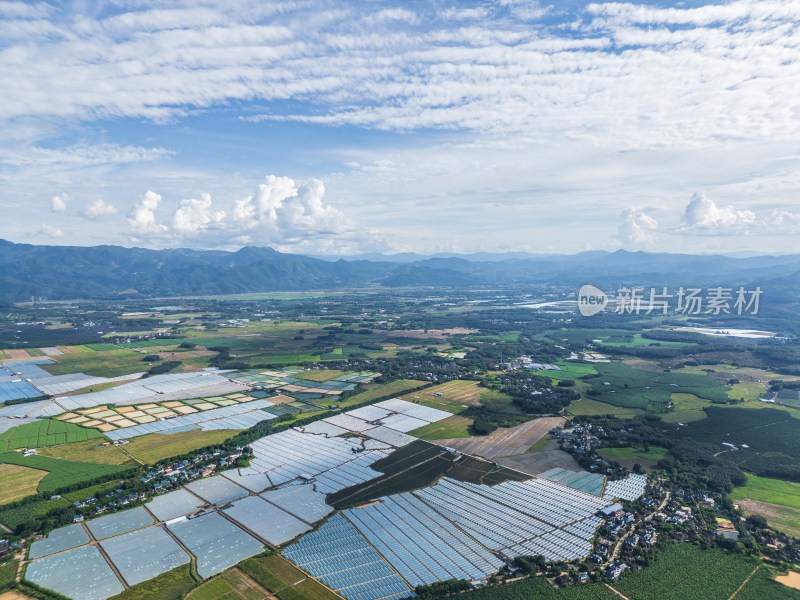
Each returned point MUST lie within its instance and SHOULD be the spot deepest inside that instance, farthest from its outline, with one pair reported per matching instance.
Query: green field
(587, 406)
(761, 586)
(570, 369)
(686, 408)
(685, 571)
(394, 388)
(172, 585)
(110, 363)
(8, 571)
(775, 491)
(627, 457)
(60, 472)
(155, 446)
(451, 427)
(622, 385)
(538, 588)
(89, 451)
(273, 572)
(46, 432)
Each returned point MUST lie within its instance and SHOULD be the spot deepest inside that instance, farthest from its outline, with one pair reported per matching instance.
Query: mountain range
(70, 272)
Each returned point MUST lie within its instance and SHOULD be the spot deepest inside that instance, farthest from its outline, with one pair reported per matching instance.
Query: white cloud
(50, 231)
(702, 213)
(99, 208)
(142, 217)
(195, 216)
(637, 228)
(58, 203)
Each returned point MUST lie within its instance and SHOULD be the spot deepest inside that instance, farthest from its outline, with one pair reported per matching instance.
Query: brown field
(320, 374)
(155, 446)
(540, 461)
(421, 334)
(456, 396)
(504, 441)
(18, 355)
(14, 595)
(17, 482)
(782, 518)
(643, 364)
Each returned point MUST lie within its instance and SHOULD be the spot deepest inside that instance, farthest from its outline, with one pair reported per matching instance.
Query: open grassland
(455, 396)
(628, 457)
(172, 585)
(685, 571)
(748, 390)
(637, 341)
(451, 427)
(779, 517)
(569, 370)
(765, 489)
(230, 585)
(587, 406)
(686, 408)
(46, 432)
(17, 482)
(90, 451)
(61, 473)
(394, 388)
(155, 446)
(321, 374)
(108, 363)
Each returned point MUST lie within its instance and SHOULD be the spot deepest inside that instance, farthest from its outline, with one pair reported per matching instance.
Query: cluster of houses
(525, 362)
(580, 438)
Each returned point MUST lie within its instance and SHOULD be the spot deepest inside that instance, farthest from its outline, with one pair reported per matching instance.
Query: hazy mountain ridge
(64, 272)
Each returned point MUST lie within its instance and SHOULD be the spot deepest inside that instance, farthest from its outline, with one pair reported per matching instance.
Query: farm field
(61, 473)
(685, 571)
(45, 432)
(779, 517)
(569, 370)
(764, 489)
(272, 572)
(622, 385)
(686, 408)
(627, 457)
(17, 482)
(14, 595)
(505, 441)
(748, 390)
(451, 427)
(155, 446)
(108, 363)
(587, 406)
(89, 451)
(7, 572)
(762, 585)
(394, 388)
(172, 585)
(455, 396)
(230, 585)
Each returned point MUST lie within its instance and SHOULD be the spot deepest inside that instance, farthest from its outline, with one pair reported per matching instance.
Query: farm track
(744, 583)
(504, 442)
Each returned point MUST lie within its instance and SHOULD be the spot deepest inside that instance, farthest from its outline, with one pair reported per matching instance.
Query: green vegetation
(686, 408)
(774, 491)
(685, 571)
(387, 390)
(587, 406)
(762, 586)
(172, 585)
(61, 473)
(110, 363)
(154, 447)
(90, 451)
(453, 396)
(46, 432)
(541, 589)
(451, 427)
(570, 369)
(8, 571)
(273, 571)
(628, 457)
(622, 385)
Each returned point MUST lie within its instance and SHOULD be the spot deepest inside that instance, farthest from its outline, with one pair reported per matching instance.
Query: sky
(346, 127)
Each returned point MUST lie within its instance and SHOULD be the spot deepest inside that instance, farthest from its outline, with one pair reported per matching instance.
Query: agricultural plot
(82, 569)
(216, 490)
(17, 482)
(61, 473)
(449, 428)
(762, 585)
(230, 585)
(265, 520)
(45, 432)
(591, 483)
(628, 457)
(569, 370)
(685, 571)
(90, 451)
(395, 388)
(772, 437)
(630, 488)
(505, 441)
(620, 385)
(144, 554)
(302, 501)
(121, 522)
(174, 504)
(273, 572)
(169, 586)
(216, 542)
(453, 396)
(59, 540)
(155, 447)
(541, 589)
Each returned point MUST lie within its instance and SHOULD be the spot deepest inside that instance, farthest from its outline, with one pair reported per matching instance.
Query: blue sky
(346, 127)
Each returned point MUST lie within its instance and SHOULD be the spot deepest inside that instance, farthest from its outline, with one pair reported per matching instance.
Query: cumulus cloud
(142, 217)
(50, 231)
(703, 214)
(99, 208)
(58, 203)
(196, 216)
(637, 228)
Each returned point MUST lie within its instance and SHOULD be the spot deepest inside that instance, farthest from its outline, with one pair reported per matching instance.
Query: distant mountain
(67, 272)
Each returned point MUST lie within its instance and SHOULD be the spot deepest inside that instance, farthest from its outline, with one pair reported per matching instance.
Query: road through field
(504, 441)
